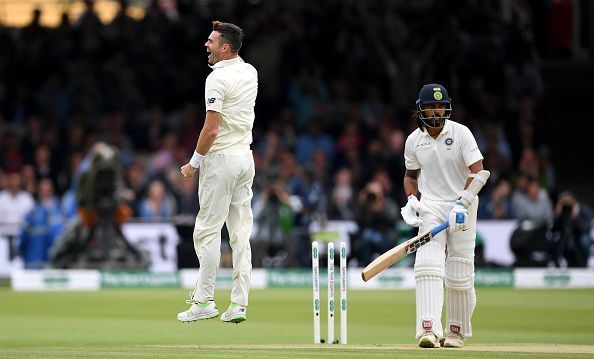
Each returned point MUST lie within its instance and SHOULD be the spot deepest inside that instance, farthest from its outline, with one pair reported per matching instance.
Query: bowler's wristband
(196, 159)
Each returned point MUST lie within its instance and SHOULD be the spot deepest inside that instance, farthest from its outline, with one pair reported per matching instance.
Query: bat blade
(394, 255)
(400, 251)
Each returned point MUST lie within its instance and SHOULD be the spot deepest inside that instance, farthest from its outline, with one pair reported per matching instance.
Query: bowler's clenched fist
(188, 171)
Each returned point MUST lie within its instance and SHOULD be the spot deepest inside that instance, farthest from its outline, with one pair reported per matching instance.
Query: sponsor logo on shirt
(211, 100)
(424, 144)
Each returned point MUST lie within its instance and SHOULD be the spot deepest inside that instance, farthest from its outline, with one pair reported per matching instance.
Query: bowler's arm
(207, 136)
(209, 132)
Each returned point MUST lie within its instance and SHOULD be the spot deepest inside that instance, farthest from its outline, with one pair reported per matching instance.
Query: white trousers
(225, 193)
(431, 267)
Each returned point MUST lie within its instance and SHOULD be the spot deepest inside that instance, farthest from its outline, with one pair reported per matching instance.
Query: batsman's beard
(435, 122)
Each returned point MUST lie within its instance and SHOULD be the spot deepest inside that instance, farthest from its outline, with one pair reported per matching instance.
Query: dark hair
(230, 34)
(414, 115)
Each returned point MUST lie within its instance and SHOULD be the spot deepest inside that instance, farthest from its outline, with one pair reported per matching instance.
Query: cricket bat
(402, 250)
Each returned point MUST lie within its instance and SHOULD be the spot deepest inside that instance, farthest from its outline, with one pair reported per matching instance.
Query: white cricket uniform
(226, 177)
(444, 163)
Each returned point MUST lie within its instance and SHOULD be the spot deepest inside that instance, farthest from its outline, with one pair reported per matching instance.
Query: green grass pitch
(140, 323)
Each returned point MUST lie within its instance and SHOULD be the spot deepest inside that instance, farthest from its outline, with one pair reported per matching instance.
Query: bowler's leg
(214, 193)
(240, 222)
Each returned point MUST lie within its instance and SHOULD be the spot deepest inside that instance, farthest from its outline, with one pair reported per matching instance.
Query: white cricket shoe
(235, 314)
(199, 311)
(454, 340)
(429, 340)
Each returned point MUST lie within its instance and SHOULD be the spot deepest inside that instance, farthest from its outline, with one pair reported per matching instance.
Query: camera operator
(571, 231)
(274, 213)
(376, 217)
(94, 239)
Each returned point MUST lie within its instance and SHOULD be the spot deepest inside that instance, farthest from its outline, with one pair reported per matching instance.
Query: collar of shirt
(446, 129)
(224, 63)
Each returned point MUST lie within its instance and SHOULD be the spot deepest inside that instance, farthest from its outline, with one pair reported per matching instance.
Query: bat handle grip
(439, 228)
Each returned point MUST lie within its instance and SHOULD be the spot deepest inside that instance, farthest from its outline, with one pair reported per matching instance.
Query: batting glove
(410, 212)
(458, 218)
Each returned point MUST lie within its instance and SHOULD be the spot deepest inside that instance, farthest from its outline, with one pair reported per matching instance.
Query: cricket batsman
(442, 158)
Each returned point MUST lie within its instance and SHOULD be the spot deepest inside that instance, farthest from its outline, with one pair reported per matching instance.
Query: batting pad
(429, 296)
(460, 295)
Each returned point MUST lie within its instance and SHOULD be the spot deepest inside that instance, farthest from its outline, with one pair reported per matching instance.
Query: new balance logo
(211, 100)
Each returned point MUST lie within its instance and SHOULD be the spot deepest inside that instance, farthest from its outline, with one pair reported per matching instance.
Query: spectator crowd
(337, 82)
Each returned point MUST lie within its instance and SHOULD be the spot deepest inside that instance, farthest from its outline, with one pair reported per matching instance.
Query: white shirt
(13, 209)
(231, 90)
(443, 161)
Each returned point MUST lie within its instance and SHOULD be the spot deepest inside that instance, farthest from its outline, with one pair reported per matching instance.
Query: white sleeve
(214, 93)
(469, 148)
(410, 157)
